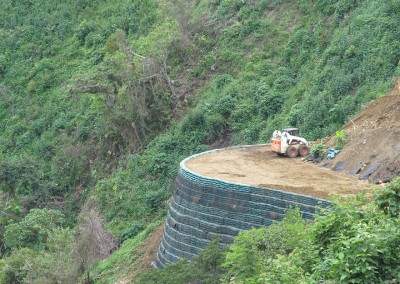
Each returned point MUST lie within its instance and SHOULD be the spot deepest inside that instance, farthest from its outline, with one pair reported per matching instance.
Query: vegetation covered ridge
(100, 101)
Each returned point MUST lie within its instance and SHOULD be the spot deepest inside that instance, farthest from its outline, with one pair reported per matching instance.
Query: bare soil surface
(145, 255)
(258, 166)
(373, 137)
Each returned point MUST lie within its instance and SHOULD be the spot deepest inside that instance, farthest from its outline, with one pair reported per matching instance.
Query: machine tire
(304, 150)
(292, 152)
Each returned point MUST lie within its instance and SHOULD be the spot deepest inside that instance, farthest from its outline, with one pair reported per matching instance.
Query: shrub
(318, 150)
(225, 105)
(222, 80)
(131, 231)
(340, 137)
(247, 256)
(16, 266)
(281, 270)
(20, 176)
(84, 29)
(244, 111)
(55, 265)
(215, 125)
(204, 268)
(193, 121)
(388, 198)
(358, 244)
(271, 104)
(252, 133)
(154, 200)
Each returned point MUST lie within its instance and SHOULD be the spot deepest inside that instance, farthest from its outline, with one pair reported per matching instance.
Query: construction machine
(289, 142)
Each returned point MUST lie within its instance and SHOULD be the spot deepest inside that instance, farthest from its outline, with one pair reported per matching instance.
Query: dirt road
(259, 166)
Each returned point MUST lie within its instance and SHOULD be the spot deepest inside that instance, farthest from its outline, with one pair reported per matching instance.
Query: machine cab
(292, 131)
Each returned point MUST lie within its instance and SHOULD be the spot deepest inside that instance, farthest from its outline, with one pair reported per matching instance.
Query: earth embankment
(372, 139)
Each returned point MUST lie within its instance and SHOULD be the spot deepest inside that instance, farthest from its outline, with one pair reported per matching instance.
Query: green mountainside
(100, 100)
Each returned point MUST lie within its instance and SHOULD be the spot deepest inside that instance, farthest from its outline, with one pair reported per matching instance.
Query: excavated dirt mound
(259, 166)
(373, 139)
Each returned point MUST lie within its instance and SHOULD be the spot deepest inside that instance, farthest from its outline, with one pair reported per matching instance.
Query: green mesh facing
(204, 208)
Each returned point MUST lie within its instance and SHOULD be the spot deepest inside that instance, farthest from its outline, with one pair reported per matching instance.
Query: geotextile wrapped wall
(204, 208)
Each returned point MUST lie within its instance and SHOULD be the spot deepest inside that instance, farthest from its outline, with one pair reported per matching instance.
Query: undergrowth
(354, 241)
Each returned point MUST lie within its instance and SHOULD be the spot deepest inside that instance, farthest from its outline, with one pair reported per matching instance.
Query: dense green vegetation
(100, 101)
(354, 242)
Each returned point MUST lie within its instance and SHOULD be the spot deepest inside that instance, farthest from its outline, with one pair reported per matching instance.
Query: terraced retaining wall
(204, 208)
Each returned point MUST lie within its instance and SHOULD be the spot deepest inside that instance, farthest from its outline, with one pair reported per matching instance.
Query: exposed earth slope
(373, 138)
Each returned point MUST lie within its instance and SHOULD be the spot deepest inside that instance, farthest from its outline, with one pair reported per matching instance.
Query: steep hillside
(99, 101)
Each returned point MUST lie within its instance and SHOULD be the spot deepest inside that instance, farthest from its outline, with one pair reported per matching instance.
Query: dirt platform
(258, 166)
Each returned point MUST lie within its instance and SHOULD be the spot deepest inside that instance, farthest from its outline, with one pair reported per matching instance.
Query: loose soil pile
(258, 166)
(373, 138)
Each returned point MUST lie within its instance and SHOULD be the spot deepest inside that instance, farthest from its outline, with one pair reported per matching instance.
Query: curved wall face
(203, 209)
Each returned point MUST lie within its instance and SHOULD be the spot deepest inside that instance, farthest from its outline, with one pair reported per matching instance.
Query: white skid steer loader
(288, 142)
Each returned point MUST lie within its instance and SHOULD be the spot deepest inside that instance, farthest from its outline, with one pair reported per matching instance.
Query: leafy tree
(16, 267)
(136, 88)
(34, 229)
(19, 176)
(56, 264)
(10, 212)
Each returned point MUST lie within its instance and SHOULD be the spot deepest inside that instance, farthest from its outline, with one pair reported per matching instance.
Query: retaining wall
(204, 208)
